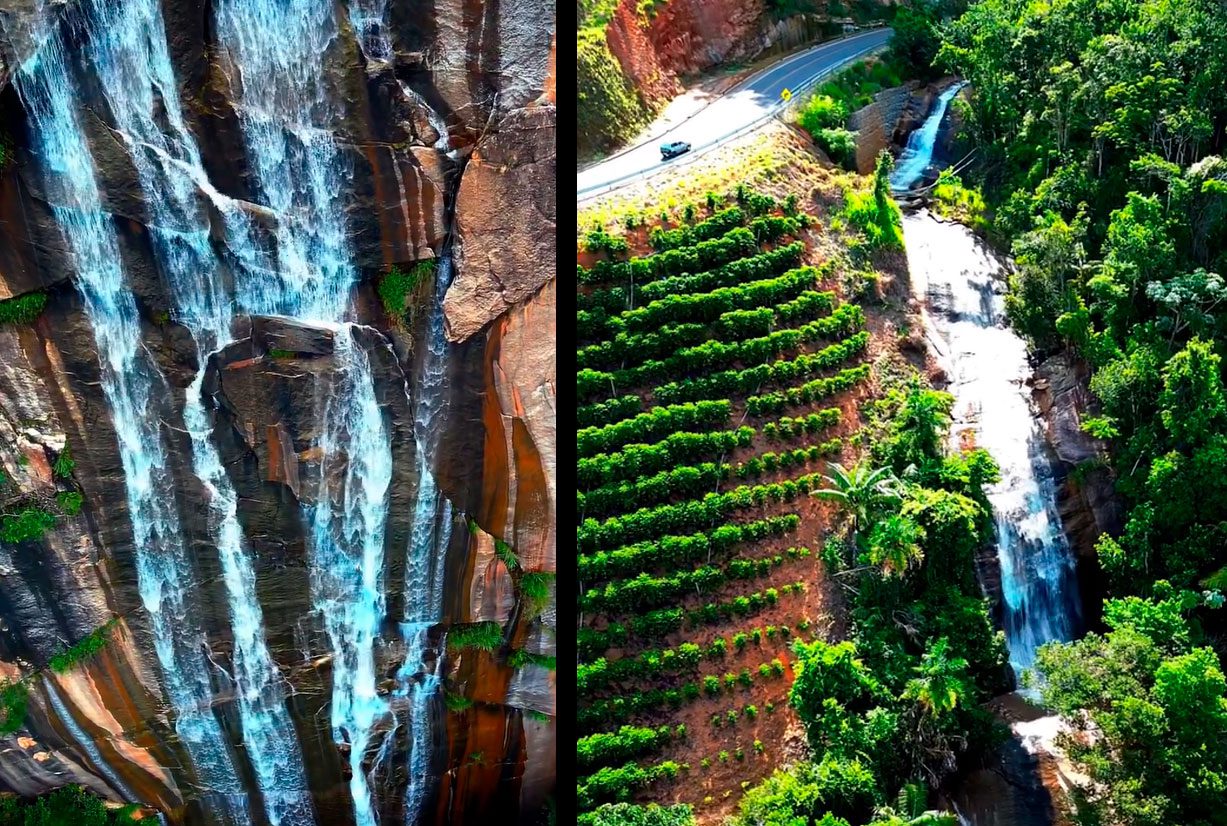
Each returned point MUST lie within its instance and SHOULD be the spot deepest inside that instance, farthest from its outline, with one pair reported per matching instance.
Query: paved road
(746, 104)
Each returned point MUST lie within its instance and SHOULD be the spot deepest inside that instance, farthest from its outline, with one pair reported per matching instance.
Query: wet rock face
(487, 70)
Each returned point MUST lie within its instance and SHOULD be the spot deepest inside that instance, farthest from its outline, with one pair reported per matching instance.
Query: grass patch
(539, 716)
(954, 199)
(485, 636)
(23, 309)
(875, 213)
(535, 588)
(398, 285)
(81, 651)
(281, 355)
(25, 525)
(64, 464)
(456, 702)
(67, 806)
(13, 699)
(70, 502)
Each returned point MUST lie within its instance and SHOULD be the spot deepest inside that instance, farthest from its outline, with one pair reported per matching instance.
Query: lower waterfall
(960, 282)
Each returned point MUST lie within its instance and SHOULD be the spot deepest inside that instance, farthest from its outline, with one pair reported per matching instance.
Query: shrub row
(687, 480)
(614, 352)
(660, 623)
(669, 551)
(610, 785)
(807, 393)
(737, 243)
(787, 428)
(771, 462)
(614, 410)
(614, 300)
(612, 747)
(656, 423)
(730, 382)
(756, 267)
(708, 307)
(717, 225)
(593, 676)
(636, 460)
(695, 514)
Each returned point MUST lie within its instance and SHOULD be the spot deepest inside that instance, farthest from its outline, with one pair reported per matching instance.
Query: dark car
(672, 150)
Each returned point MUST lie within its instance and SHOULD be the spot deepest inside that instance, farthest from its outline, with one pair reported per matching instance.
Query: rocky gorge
(314, 496)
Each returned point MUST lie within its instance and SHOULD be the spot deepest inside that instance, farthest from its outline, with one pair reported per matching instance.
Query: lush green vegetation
(895, 709)
(609, 108)
(1099, 131)
(396, 287)
(67, 806)
(22, 309)
(684, 512)
(484, 636)
(79, 652)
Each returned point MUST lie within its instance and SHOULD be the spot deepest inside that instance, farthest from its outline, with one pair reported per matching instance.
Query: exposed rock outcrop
(488, 74)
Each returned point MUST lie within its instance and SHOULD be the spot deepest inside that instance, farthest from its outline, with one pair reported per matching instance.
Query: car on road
(672, 150)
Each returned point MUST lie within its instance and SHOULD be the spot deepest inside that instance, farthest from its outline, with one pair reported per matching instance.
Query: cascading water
(428, 541)
(133, 387)
(277, 50)
(368, 18)
(962, 287)
(918, 154)
(130, 58)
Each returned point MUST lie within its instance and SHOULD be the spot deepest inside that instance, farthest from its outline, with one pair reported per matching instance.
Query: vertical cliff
(447, 143)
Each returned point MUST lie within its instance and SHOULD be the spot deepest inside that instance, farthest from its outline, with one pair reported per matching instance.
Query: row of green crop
(697, 359)
(608, 748)
(656, 624)
(626, 350)
(788, 428)
(687, 236)
(655, 662)
(616, 710)
(672, 550)
(721, 385)
(707, 307)
(610, 785)
(635, 460)
(656, 423)
(807, 393)
(614, 410)
(646, 523)
(644, 592)
(736, 243)
(614, 300)
(690, 480)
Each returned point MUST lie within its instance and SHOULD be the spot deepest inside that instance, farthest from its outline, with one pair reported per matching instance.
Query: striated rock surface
(875, 125)
(475, 176)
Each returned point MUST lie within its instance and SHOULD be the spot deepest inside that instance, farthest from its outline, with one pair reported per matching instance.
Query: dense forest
(1100, 125)
(1098, 129)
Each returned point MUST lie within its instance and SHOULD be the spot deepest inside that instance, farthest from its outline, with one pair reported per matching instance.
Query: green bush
(64, 661)
(485, 636)
(397, 285)
(839, 145)
(64, 464)
(67, 806)
(875, 213)
(23, 309)
(14, 695)
(70, 502)
(25, 525)
(456, 702)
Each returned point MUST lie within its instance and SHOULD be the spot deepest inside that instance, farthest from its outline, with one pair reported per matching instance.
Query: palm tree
(861, 491)
(909, 810)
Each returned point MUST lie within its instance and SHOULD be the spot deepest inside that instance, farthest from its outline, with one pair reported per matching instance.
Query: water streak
(277, 51)
(988, 369)
(133, 388)
(133, 65)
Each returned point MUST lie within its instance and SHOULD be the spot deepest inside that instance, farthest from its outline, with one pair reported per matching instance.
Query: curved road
(750, 102)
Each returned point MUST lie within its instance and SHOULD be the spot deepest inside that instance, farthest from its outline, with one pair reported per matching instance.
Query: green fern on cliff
(23, 309)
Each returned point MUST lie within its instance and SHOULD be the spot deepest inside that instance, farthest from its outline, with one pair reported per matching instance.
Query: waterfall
(86, 742)
(277, 52)
(988, 369)
(428, 541)
(134, 390)
(129, 54)
(918, 154)
(961, 282)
